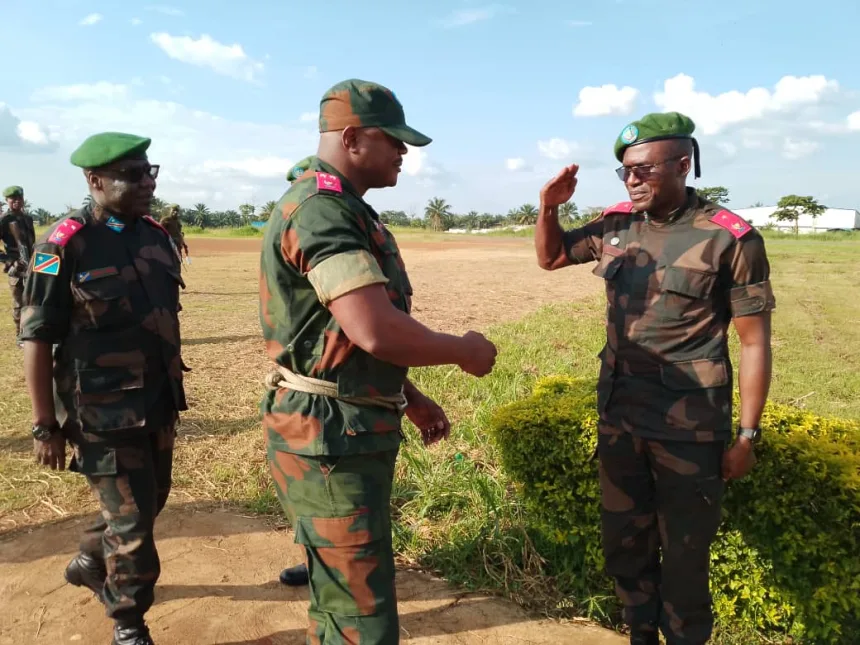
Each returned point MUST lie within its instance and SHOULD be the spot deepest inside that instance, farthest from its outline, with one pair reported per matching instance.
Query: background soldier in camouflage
(299, 169)
(678, 269)
(335, 300)
(104, 286)
(173, 225)
(18, 236)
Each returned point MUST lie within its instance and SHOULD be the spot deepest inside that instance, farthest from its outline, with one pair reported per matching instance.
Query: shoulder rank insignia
(46, 263)
(95, 274)
(328, 182)
(732, 223)
(64, 232)
(620, 207)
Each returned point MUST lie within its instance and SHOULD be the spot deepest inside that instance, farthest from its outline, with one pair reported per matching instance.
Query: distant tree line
(438, 214)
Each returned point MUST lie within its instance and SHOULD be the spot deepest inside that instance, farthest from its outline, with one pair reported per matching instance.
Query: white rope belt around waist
(282, 377)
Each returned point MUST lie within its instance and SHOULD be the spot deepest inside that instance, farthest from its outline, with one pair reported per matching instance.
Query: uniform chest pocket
(686, 291)
(102, 297)
(608, 266)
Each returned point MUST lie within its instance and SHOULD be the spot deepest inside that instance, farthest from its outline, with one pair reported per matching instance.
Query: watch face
(41, 433)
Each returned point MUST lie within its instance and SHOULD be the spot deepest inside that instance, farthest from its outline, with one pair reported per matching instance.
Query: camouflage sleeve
(329, 244)
(584, 244)
(47, 299)
(748, 272)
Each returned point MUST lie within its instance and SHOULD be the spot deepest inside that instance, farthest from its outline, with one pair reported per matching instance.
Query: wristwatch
(45, 432)
(753, 434)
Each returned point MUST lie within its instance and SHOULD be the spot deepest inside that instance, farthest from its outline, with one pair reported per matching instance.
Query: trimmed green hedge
(786, 561)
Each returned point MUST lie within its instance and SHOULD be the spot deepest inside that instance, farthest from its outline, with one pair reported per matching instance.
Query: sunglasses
(643, 172)
(135, 173)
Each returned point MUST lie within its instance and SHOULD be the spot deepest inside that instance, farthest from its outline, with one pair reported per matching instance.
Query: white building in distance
(833, 219)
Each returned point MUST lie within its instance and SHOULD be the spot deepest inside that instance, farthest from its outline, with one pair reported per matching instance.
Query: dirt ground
(219, 568)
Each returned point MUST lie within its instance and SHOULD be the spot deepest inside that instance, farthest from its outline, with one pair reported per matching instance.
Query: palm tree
(437, 212)
(200, 215)
(527, 215)
(568, 213)
(156, 207)
(267, 209)
(42, 217)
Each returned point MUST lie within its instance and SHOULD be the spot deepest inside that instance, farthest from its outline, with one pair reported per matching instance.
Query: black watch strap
(45, 432)
(753, 434)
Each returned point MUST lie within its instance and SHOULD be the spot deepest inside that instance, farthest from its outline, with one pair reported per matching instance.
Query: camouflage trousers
(340, 510)
(132, 481)
(16, 285)
(661, 498)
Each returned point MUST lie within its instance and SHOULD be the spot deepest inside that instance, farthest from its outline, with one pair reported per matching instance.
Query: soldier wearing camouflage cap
(335, 302)
(678, 270)
(173, 225)
(103, 288)
(18, 236)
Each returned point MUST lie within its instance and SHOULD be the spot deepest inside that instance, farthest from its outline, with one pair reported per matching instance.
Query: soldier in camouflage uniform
(678, 269)
(18, 236)
(335, 300)
(299, 169)
(173, 225)
(104, 288)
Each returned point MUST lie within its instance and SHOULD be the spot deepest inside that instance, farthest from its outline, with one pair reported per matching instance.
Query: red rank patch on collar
(326, 181)
(732, 223)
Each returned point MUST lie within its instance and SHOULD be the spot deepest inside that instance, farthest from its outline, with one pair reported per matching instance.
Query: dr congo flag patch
(46, 263)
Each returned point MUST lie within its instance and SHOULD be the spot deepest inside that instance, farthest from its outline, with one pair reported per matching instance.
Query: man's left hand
(428, 417)
(739, 459)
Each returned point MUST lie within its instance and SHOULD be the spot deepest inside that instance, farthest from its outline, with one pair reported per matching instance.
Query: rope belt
(284, 378)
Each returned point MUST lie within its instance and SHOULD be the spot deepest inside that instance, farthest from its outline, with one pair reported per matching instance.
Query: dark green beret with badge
(299, 169)
(13, 191)
(107, 147)
(658, 126)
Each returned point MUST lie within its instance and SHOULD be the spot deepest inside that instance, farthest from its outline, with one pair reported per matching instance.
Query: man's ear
(684, 166)
(94, 181)
(349, 138)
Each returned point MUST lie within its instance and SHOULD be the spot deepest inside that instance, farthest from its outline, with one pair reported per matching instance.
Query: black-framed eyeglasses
(643, 172)
(135, 173)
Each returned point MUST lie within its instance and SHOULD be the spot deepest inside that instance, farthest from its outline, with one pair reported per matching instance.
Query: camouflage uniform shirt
(107, 294)
(672, 288)
(17, 234)
(322, 241)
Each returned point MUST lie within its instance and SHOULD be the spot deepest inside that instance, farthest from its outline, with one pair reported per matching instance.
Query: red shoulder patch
(65, 231)
(732, 223)
(620, 207)
(326, 181)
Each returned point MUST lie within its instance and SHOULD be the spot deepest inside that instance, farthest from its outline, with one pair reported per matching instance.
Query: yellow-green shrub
(786, 560)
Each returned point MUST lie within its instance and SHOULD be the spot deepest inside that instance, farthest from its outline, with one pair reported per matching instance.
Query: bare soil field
(219, 565)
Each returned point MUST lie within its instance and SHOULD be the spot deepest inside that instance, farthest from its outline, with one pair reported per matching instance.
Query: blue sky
(510, 92)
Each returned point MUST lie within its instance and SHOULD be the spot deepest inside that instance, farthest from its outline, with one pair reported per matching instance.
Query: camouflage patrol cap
(364, 104)
(299, 169)
(107, 147)
(657, 126)
(13, 191)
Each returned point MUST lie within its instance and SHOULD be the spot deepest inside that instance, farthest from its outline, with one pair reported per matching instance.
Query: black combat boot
(86, 571)
(644, 638)
(131, 633)
(296, 576)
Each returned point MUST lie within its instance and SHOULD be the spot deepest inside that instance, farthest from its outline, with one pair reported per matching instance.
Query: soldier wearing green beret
(18, 236)
(173, 225)
(335, 303)
(678, 270)
(103, 288)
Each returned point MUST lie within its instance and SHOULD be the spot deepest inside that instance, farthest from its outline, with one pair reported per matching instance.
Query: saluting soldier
(104, 287)
(678, 270)
(335, 303)
(18, 236)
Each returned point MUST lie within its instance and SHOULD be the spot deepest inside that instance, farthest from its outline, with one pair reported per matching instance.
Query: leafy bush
(786, 558)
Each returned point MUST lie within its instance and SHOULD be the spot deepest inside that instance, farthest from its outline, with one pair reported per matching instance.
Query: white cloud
(515, 164)
(167, 11)
(229, 60)
(579, 23)
(32, 132)
(413, 160)
(606, 100)
(136, 21)
(91, 19)
(27, 135)
(556, 148)
(713, 113)
(307, 117)
(854, 121)
(794, 149)
(463, 17)
(729, 149)
(261, 167)
(83, 91)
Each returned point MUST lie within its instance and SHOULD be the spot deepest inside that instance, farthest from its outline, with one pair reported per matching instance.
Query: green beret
(106, 147)
(657, 126)
(13, 191)
(299, 169)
